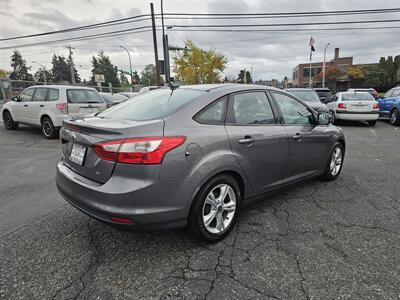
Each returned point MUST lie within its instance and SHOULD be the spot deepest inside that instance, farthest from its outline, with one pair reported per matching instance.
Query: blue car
(389, 106)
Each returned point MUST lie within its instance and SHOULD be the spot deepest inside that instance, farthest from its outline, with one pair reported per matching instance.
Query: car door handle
(41, 105)
(25, 105)
(297, 136)
(246, 140)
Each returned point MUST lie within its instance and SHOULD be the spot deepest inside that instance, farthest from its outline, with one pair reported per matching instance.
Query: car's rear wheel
(395, 117)
(48, 129)
(215, 209)
(9, 123)
(371, 123)
(335, 162)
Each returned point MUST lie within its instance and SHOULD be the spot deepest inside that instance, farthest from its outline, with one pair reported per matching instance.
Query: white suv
(48, 105)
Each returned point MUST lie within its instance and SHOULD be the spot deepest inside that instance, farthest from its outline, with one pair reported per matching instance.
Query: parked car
(309, 96)
(193, 155)
(389, 106)
(47, 106)
(149, 88)
(113, 99)
(323, 93)
(128, 94)
(354, 106)
(372, 91)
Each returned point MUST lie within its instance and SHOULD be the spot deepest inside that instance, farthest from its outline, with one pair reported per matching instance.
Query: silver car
(309, 96)
(193, 155)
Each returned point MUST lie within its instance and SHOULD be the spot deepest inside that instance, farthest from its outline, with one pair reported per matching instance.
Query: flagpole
(310, 81)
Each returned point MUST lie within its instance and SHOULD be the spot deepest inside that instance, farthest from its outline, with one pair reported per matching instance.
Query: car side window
(251, 108)
(40, 94)
(396, 93)
(293, 112)
(26, 95)
(388, 94)
(213, 114)
(52, 95)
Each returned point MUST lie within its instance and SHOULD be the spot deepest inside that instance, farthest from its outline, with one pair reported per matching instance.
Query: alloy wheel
(336, 161)
(46, 128)
(219, 208)
(393, 117)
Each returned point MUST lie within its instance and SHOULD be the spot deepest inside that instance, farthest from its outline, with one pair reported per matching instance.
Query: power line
(145, 17)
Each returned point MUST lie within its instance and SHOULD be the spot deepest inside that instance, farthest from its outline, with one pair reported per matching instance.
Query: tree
(20, 69)
(41, 74)
(199, 66)
(102, 65)
(148, 75)
(241, 77)
(136, 78)
(60, 69)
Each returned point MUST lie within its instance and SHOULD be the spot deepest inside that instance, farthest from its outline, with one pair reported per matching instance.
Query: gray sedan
(309, 96)
(193, 155)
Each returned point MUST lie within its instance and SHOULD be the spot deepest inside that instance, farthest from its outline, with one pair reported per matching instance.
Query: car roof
(300, 89)
(227, 86)
(55, 86)
(322, 89)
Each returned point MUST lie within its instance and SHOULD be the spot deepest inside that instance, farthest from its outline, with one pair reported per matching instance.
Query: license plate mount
(77, 154)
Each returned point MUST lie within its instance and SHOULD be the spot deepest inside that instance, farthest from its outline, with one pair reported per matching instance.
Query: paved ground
(337, 240)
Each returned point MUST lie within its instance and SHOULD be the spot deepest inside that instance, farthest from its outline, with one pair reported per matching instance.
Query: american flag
(312, 41)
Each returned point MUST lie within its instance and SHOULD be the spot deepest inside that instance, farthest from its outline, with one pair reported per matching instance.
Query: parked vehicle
(389, 106)
(354, 106)
(113, 99)
(323, 93)
(5, 89)
(309, 96)
(372, 91)
(128, 94)
(48, 105)
(193, 155)
(149, 88)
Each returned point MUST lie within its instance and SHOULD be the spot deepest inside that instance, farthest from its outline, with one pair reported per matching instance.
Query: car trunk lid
(78, 137)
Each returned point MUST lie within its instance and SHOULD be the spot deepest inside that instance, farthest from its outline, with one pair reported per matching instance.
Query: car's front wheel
(9, 123)
(48, 129)
(395, 117)
(215, 209)
(335, 162)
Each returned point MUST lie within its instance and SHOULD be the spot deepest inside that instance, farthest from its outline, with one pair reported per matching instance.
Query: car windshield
(323, 93)
(152, 105)
(305, 95)
(83, 96)
(358, 96)
(113, 98)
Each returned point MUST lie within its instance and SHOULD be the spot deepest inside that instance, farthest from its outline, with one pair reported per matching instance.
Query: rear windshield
(358, 96)
(113, 98)
(83, 96)
(152, 105)
(305, 95)
(323, 93)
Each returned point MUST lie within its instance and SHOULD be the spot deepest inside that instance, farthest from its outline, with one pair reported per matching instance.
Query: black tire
(395, 117)
(9, 123)
(333, 118)
(48, 129)
(371, 123)
(328, 175)
(195, 219)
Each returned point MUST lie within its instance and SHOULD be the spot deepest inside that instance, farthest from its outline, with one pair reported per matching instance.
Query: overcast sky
(272, 54)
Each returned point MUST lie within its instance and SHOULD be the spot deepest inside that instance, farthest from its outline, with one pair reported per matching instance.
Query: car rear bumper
(149, 205)
(357, 116)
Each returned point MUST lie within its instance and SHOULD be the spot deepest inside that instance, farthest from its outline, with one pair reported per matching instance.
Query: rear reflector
(376, 106)
(62, 107)
(121, 220)
(149, 150)
(341, 105)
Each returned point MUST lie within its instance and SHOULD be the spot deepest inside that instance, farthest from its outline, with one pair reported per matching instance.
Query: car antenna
(172, 86)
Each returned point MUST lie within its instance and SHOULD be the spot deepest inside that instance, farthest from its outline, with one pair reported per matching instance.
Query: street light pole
(130, 65)
(43, 70)
(323, 66)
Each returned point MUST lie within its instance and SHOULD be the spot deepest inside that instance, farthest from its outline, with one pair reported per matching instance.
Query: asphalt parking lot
(318, 240)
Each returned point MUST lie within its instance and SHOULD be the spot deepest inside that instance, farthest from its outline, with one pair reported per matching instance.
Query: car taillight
(376, 106)
(341, 105)
(62, 107)
(138, 151)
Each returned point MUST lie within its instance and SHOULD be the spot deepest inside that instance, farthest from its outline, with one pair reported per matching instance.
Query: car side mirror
(15, 98)
(324, 118)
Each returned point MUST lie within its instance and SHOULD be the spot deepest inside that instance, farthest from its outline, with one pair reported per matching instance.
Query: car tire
(333, 118)
(48, 129)
(371, 123)
(330, 173)
(9, 122)
(222, 211)
(395, 117)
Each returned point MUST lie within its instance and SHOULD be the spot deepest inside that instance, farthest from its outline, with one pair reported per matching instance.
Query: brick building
(301, 73)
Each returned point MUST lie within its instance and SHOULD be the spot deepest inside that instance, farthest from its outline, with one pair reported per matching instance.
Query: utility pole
(71, 64)
(323, 67)
(153, 22)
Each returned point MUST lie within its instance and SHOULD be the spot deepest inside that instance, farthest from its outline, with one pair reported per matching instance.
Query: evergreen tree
(102, 65)
(20, 69)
